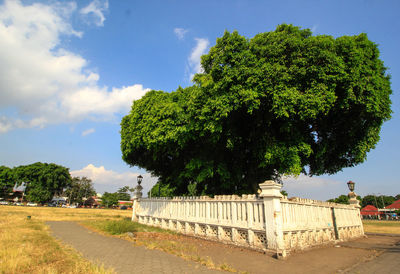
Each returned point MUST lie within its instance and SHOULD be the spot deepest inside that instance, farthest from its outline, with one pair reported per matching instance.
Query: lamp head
(139, 179)
(351, 184)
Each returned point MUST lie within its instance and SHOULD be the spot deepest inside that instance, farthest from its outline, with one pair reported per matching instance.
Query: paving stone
(121, 255)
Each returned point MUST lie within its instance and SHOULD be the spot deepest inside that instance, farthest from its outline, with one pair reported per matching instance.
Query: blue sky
(69, 72)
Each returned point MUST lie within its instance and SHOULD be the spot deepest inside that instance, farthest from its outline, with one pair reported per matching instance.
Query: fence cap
(270, 189)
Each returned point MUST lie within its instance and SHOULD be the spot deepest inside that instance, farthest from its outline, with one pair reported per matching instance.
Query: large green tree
(283, 102)
(378, 201)
(123, 193)
(42, 180)
(7, 181)
(80, 190)
(109, 199)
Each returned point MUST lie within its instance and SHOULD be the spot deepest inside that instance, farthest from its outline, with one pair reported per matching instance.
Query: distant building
(370, 212)
(395, 205)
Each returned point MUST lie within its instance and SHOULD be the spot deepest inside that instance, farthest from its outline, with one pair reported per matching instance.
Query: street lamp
(139, 188)
(139, 179)
(351, 184)
(352, 196)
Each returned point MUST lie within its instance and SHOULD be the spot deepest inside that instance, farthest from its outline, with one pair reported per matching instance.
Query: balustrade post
(219, 216)
(135, 207)
(270, 192)
(250, 220)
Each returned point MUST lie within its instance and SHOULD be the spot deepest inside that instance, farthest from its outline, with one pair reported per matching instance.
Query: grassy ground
(154, 238)
(374, 226)
(27, 247)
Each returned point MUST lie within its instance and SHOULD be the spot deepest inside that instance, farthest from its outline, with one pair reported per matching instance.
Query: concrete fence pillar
(270, 192)
(135, 208)
(356, 203)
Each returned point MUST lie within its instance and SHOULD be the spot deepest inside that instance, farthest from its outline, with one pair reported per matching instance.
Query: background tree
(80, 190)
(344, 199)
(378, 201)
(7, 181)
(161, 190)
(284, 193)
(109, 199)
(283, 102)
(42, 180)
(123, 194)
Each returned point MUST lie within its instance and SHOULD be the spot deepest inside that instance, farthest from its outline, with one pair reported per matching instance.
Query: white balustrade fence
(266, 222)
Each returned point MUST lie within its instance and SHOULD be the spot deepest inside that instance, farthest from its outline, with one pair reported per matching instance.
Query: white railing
(246, 212)
(266, 222)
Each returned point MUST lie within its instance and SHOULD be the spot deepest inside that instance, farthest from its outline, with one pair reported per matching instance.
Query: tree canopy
(42, 180)
(282, 102)
(378, 201)
(80, 190)
(7, 181)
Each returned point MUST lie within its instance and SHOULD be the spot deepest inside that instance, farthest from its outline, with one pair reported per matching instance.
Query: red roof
(396, 205)
(369, 210)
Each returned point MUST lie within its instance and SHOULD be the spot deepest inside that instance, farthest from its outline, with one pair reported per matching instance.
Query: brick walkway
(119, 254)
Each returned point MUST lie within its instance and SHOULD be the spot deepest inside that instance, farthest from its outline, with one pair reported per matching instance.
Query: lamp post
(352, 196)
(136, 198)
(139, 188)
(139, 179)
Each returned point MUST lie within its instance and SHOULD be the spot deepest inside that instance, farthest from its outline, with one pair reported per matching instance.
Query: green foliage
(342, 199)
(42, 180)
(165, 190)
(118, 227)
(7, 181)
(123, 194)
(378, 201)
(109, 199)
(192, 191)
(283, 102)
(80, 190)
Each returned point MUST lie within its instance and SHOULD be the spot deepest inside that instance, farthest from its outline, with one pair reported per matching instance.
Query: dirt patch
(327, 259)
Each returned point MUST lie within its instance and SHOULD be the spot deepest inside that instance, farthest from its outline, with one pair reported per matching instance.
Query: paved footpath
(121, 255)
(388, 262)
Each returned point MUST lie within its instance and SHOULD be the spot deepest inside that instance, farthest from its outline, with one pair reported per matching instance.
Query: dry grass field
(27, 247)
(372, 226)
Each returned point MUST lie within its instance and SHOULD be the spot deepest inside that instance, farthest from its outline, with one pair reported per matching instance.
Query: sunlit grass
(154, 238)
(27, 247)
(376, 226)
(121, 226)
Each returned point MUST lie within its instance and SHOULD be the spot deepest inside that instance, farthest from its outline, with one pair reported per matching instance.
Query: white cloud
(43, 83)
(110, 181)
(5, 125)
(195, 56)
(180, 33)
(96, 10)
(88, 131)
